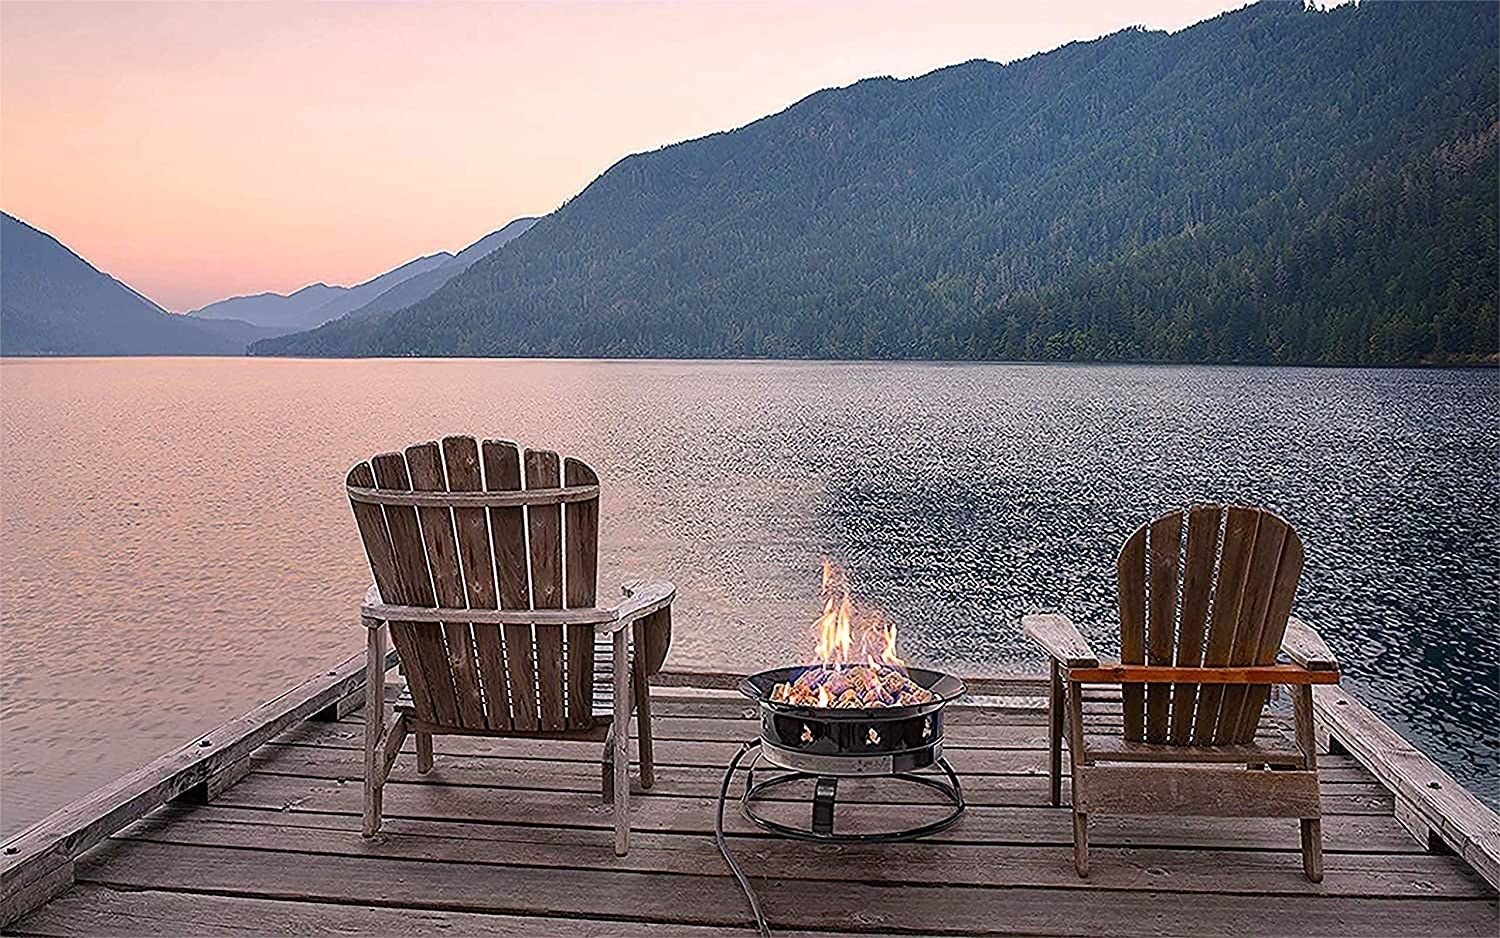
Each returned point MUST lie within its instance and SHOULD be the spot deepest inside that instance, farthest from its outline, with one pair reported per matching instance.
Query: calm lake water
(175, 546)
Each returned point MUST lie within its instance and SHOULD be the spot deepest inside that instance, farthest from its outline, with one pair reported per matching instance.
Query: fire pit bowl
(849, 741)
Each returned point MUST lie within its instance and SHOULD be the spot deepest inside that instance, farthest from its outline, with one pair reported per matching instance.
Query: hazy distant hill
(1276, 184)
(423, 285)
(317, 303)
(53, 302)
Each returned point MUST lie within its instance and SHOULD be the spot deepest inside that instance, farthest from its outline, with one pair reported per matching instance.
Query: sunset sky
(201, 150)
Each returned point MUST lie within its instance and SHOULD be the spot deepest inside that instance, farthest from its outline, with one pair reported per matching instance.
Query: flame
(868, 673)
(837, 627)
(888, 653)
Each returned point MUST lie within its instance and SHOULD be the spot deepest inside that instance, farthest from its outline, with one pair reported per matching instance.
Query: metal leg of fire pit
(825, 791)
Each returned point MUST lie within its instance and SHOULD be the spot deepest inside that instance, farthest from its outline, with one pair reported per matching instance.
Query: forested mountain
(53, 302)
(316, 303)
(1277, 184)
(424, 284)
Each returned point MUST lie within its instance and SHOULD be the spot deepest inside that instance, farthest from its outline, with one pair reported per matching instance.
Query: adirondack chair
(486, 586)
(1203, 617)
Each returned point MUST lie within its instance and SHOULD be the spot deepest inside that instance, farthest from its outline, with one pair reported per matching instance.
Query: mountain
(317, 303)
(291, 309)
(53, 302)
(1277, 184)
(421, 286)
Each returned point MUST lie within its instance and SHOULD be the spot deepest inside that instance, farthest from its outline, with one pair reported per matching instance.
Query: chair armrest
(1226, 674)
(1060, 639)
(1306, 647)
(642, 598)
(372, 599)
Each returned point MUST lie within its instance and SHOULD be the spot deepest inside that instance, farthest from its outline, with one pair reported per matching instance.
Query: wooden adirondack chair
(1203, 616)
(486, 585)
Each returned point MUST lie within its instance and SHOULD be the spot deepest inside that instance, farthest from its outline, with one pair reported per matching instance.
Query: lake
(175, 545)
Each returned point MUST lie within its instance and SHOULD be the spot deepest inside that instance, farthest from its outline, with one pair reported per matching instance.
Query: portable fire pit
(825, 740)
(860, 712)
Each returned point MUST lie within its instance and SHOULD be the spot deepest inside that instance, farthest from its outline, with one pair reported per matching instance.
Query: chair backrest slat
(581, 566)
(461, 458)
(544, 536)
(1165, 546)
(1131, 570)
(1168, 588)
(1234, 566)
(502, 473)
(414, 588)
(453, 554)
(1197, 588)
(424, 463)
(1276, 552)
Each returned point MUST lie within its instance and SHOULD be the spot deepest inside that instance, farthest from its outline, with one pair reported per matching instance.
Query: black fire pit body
(828, 743)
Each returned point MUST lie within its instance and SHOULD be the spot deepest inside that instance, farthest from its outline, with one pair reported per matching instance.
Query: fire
(866, 673)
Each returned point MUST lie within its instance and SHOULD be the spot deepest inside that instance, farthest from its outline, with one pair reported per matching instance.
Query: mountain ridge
(930, 217)
(53, 302)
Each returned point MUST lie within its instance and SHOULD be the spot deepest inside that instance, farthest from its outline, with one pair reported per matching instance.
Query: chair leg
(1312, 849)
(1079, 754)
(1081, 843)
(374, 726)
(607, 767)
(1055, 733)
(643, 730)
(622, 742)
(424, 753)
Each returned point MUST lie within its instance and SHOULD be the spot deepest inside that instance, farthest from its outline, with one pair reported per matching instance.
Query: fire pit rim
(947, 687)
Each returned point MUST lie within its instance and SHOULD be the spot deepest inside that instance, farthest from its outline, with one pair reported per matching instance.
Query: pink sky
(201, 150)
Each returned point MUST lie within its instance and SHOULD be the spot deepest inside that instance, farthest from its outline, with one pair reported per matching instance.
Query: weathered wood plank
(1154, 869)
(581, 579)
(35, 854)
(1197, 792)
(1363, 833)
(423, 653)
(1306, 647)
(1060, 639)
(1131, 571)
(461, 456)
(1197, 588)
(1164, 562)
(99, 910)
(1431, 802)
(544, 530)
(702, 781)
(425, 463)
(1236, 675)
(502, 472)
(1229, 588)
(790, 902)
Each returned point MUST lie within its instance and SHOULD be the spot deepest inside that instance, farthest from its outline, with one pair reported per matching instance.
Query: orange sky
(199, 150)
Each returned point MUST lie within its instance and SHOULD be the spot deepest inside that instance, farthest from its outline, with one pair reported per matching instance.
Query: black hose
(739, 874)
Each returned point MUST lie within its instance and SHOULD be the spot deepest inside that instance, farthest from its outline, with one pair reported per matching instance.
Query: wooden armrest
(642, 598)
(372, 599)
(1307, 647)
(1058, 636)
(1228, 674)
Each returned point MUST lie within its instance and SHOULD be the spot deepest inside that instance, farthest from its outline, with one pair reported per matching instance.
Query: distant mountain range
(1279, 184)
(318, 303)
(53, 302)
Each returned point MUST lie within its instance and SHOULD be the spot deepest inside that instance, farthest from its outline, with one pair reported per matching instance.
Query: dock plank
(695, 899)
(511, 837)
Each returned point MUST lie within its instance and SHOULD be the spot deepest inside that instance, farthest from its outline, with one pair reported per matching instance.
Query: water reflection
(174, 546)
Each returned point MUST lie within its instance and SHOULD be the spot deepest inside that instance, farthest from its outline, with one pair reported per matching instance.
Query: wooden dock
(510, 837)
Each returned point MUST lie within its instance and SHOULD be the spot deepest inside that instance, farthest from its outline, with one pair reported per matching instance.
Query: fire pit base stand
(825, 795)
